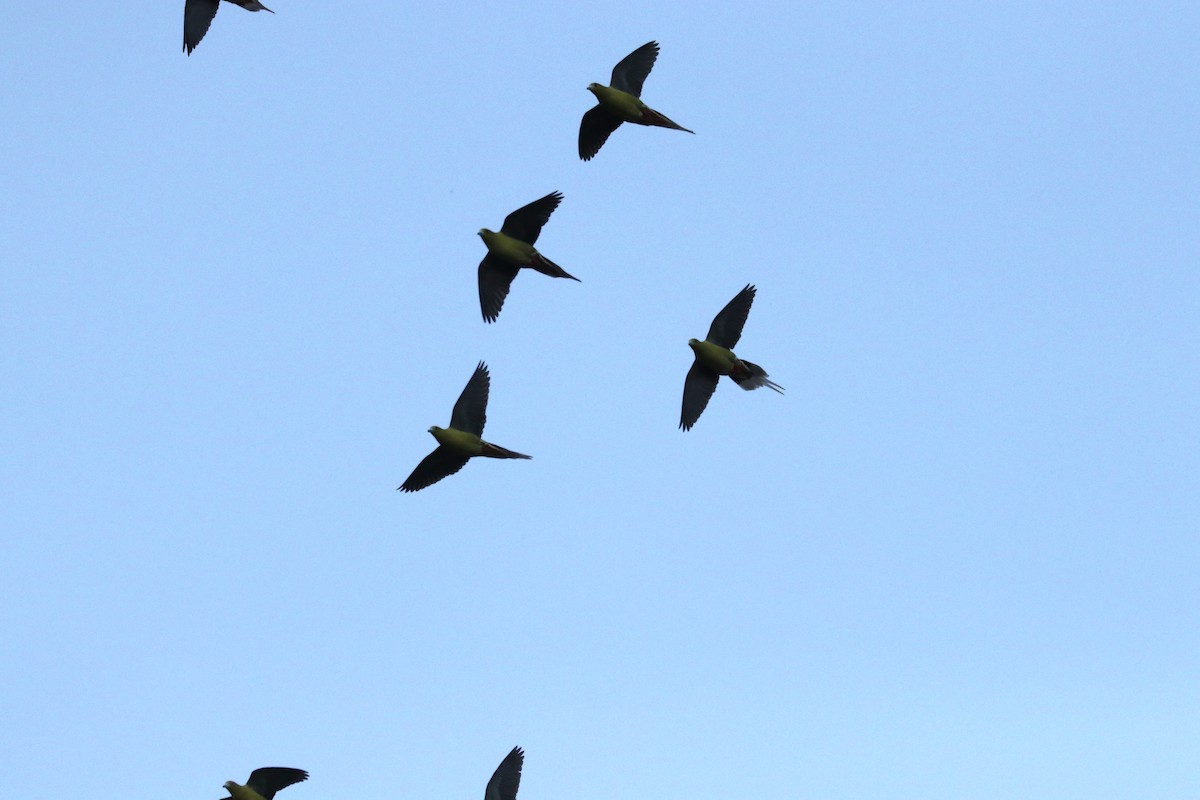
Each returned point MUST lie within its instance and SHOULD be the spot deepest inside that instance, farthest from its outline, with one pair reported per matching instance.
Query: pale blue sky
(956, 560)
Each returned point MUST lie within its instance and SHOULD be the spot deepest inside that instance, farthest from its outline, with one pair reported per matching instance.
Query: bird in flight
(714, 358)
(512, 248)
(620, 101)
(460, 442)
(198, 15)
(264, 782)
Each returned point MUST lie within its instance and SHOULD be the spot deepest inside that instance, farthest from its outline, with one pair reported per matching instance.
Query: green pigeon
(507, 777)
(198, 15)
(714, 358)
(460, 442)
(511, 249)
(264, 782)
(621, 102)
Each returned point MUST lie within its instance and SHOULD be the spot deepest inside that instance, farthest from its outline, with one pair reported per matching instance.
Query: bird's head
(693, 342)
(484, 233)
(228, 786)
(434, 429)
(594, 88)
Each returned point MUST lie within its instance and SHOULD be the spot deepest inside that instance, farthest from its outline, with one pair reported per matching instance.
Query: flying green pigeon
(620, 102)
(264, 782)
(460, 442)
(198, 15)
(511, 249)
(507, 777)
(714, 358)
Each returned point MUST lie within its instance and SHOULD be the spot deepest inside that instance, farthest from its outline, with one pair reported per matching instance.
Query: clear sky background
(958, 559)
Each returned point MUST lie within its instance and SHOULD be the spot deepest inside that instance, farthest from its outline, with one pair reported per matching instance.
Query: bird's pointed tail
(548, 267)
(495, 451)
(749, 376)
(652, 117)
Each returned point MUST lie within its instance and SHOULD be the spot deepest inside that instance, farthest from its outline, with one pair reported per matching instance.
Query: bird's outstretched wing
(698, 388)
(526, 222)
(727, 325)
(495, 278)
(437, 465)
(507, 777)
(470, 410)
(269, 780)
(596, 126)
(630, 72)
(197, 16)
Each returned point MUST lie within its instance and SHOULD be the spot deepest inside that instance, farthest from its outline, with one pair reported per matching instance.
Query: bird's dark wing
(197, 16)
(698, 388)
(507, 777)
(727, 326)
(526, 222)
(495, 277)
(630, 72)
(269, 780)
(470, 411)
(433, 467)
(595, 128)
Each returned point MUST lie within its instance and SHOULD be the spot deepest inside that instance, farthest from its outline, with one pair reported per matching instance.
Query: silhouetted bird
(621, 102)
(264, 782)
(714, 358)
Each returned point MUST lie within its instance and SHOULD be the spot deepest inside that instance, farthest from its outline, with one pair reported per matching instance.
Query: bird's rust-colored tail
(548, 267)
(652, 117)
(495, 451)
(749, 376)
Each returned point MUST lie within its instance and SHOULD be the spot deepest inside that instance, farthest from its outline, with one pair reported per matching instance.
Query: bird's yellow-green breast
(622, 104)
(514, 251)
(459, 441)
(239, 792)
(718, 359)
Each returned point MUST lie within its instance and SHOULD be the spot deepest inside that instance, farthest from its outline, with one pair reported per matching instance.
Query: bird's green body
(461, 441)
(714, 357)
(720, 360)
(511, 249)
(620, 104)
(620, 101)
(239, 792)
(264, 782)
(508, 249)
(467, 444)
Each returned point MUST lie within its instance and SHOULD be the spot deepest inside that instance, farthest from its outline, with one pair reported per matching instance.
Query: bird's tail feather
(652, 117)
(749, 376)
(495, 451)
(548, 267)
